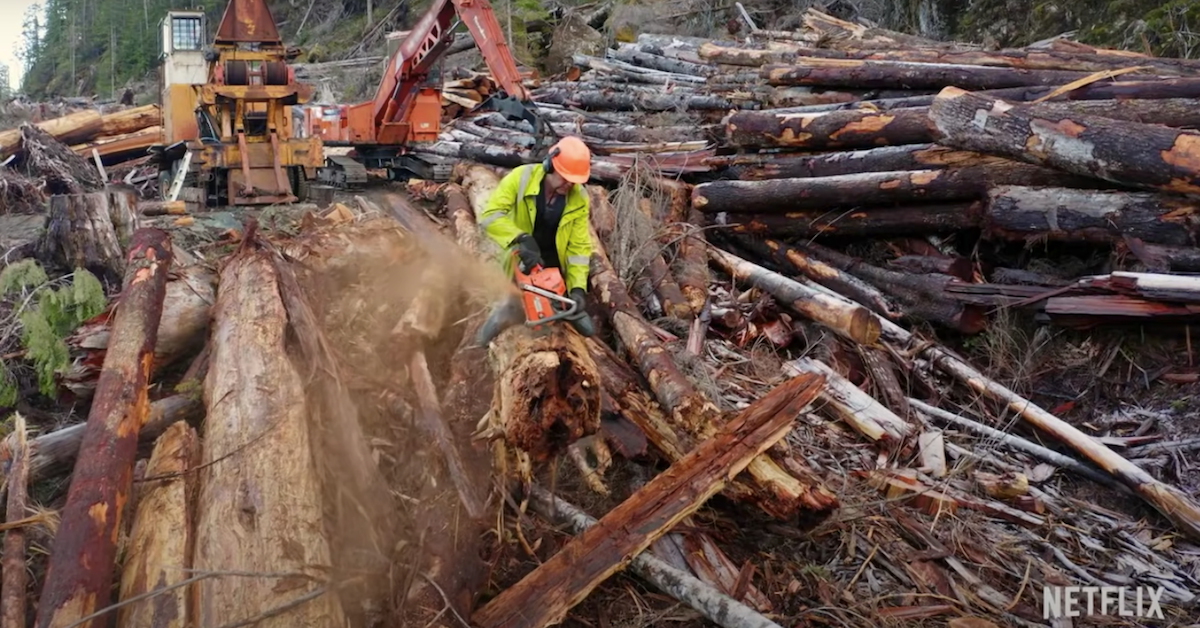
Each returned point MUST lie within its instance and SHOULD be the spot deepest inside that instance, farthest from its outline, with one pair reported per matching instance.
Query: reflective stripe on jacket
(511, 210)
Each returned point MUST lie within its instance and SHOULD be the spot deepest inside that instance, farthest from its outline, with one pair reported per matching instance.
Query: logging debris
(919, 346)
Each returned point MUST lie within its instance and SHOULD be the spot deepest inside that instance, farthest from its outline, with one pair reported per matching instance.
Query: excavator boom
(407, 109)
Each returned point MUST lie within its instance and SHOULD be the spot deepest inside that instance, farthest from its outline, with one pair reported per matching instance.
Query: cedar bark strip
(1101, 216)
(857, 222)
(547, 594)
(256, 432)
(871, 188)
(1138, 155)
(159, 553)
(777, 492)
(80, 571)
(15, 578)
(851, 321)
(818, 72)
(828, 130)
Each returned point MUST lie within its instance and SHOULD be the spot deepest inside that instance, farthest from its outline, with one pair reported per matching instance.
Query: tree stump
(89, 230)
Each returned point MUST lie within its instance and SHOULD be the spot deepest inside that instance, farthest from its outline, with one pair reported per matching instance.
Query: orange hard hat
(572, 159)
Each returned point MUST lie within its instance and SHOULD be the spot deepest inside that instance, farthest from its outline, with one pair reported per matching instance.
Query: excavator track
(343, 172)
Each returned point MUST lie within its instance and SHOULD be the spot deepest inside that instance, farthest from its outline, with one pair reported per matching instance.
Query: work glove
(528, 251)
(581, 320)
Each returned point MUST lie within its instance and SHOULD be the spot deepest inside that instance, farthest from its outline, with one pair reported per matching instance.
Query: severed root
(594, 477)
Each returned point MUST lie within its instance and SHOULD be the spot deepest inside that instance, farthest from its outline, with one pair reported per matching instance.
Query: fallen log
(716, 607)
(828, 130)
(690, 264)
(851, 321)
(550, 591)
(159, 550)
(958, 267)
(115, 149)
(15, 577)
(83, 126)
(659, 275)
(1138, 155)
(625, 100)
(80, 571)
(863, 74)
(883, 159)
(256, 431)
(1022, 58)
(191, 292)
(855, 407)
(836, 33)
(88, 231)
(857, 222)
(822, 273)
(56, 451)
(871, 188)
(1101, 216)
(777, 492)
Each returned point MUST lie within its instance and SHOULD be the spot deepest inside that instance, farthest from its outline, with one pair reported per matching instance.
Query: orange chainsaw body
(540, 289)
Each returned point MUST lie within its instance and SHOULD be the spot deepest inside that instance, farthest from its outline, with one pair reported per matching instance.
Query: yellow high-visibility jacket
(511, 211)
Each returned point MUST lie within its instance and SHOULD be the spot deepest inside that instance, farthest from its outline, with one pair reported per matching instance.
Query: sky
(12, 13)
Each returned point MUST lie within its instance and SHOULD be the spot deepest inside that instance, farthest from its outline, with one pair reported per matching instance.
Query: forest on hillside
(99, 47)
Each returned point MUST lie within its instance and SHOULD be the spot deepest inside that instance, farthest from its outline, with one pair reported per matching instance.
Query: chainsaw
(543, 300)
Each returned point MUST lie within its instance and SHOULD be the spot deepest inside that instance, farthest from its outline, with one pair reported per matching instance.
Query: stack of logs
(868, 134)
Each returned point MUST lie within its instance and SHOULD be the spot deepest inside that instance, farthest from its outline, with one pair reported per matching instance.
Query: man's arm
(579, 250)
(495, 219)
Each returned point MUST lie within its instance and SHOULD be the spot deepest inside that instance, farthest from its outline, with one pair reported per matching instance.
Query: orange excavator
(407, 108)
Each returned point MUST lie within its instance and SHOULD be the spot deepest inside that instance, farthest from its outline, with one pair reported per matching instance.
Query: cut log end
(548, 389)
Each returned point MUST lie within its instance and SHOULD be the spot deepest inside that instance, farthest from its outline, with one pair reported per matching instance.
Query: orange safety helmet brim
(573, 160)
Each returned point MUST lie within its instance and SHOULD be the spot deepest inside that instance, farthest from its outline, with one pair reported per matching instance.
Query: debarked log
(864, 74)
(856, 222)
(1101, 216)
(257, 431)
(1139, 155)
(906, 187)
(80, 573)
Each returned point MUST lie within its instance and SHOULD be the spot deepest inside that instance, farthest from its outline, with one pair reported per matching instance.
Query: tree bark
(159, 549)
(550, 591)
(668, 290)
(89, 231)
(625, 100)
(629, 395)
(867, 222)
(887, 158)
(257, 431)
(828, 130)
(80, 572)
(187, 306)
(1138, 155)
(818, 72)
(1017, 58)
(15, 578)
(690, 264)
(904, 187)
(779, 494)
(1100, 216)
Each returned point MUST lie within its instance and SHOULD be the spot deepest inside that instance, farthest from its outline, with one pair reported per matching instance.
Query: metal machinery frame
(407, 107)
(242, 142)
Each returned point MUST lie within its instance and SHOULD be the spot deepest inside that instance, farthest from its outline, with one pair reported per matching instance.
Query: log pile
(777, 421)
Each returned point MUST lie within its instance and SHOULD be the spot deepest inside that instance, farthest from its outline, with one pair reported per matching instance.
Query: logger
(228, 131)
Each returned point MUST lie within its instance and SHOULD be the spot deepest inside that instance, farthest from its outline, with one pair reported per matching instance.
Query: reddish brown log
(1145, 156)
(80, 572)
(1094, 309)
(817, 72)
(874, 221)
(833, 129)
(546, 595)
(871, 188)
(1101, 216)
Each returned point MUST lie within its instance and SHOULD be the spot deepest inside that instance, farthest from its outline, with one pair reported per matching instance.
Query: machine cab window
(186, 33)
